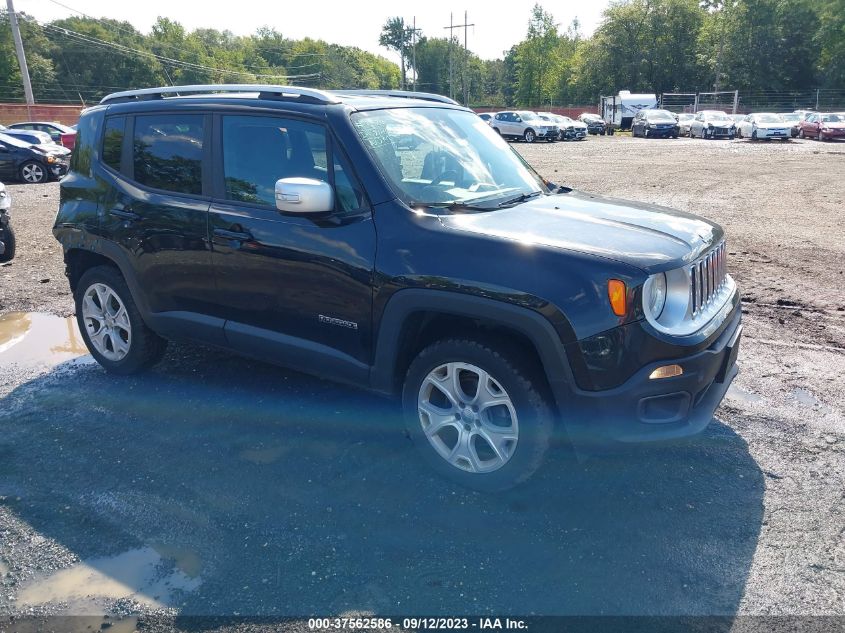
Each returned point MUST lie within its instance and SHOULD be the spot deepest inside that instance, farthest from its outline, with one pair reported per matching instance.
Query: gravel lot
(219, 486)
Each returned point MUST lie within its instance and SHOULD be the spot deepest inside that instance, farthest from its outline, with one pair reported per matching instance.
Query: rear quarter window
(113, 132)
(167, 152)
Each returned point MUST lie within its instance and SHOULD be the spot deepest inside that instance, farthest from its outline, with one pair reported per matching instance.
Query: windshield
(659, 115)
(791, 117)
(15, 142)
(435, 156)
(832, 118)
(769, 118)
(716, 116)
(528, 116)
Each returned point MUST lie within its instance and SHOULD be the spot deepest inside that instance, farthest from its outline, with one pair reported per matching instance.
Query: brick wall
(17, 112)
(572, 112)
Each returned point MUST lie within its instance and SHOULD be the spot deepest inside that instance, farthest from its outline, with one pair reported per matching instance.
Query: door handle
(124, 214)
(238, 236)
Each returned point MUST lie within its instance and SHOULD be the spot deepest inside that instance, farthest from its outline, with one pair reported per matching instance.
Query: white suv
(524, 125)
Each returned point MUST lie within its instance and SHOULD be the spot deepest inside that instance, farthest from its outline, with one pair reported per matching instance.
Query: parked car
(524, 125)
(763, 125)
(487, 117)
(654, 123)
(29, 163)
(432, 274)
(712, 124)
(42, 139)
(7, 234)
(685, 119)
(595, 124)
(736, 118)
(792, 119)
(823, 126)
(61, 134)
(568, 130)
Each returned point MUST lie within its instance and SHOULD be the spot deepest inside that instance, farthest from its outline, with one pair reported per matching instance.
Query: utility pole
(16, 34)
(451, 27)
(414, 31)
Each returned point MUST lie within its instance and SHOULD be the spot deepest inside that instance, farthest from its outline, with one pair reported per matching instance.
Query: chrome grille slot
(707, 276)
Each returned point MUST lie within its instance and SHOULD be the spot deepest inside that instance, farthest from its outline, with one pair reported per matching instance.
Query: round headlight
(654, 295)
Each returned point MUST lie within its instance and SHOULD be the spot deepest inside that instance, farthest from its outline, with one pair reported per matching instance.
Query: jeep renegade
(394, 241)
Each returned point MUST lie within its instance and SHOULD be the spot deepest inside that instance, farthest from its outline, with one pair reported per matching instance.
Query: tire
(9, 242)
(34, 173)
(479, 467)
(754, 135)
(529, 136)
(144, 347)
(801, 133)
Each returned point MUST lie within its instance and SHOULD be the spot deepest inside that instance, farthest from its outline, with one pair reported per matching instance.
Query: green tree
(396, 35)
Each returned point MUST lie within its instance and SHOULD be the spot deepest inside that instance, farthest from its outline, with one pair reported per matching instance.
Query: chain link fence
(737, 101)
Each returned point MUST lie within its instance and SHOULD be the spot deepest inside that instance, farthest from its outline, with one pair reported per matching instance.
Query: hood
(649, 237)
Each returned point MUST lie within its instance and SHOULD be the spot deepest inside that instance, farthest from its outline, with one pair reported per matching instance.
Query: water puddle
(740, 394)
(145, 575)
(35, 339)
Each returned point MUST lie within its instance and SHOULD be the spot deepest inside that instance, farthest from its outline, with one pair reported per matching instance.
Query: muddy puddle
(156, 576)
(35, 339)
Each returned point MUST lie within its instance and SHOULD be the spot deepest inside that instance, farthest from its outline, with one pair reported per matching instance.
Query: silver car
(524, 125)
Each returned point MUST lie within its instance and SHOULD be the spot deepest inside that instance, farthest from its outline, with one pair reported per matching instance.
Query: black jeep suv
(396, 242)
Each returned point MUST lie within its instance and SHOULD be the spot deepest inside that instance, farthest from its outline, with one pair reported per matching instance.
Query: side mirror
(304, 195)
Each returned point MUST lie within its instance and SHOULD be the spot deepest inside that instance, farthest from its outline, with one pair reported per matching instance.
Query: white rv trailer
(618, 111)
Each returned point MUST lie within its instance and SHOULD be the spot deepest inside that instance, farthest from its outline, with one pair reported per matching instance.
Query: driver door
(293, 288)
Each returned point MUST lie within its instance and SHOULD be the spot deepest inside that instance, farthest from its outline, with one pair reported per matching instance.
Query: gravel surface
(217, 486)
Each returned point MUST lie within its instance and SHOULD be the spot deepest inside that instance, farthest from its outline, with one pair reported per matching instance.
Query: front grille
(707, 276)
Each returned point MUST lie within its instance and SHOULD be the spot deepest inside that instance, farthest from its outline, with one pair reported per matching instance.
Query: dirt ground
(219, 486)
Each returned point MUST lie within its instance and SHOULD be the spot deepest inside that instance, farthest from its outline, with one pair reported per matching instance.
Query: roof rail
(264, 90)
(407, 94)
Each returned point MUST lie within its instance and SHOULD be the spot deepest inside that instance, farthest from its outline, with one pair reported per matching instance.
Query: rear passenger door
(294, 289)
(156, 212)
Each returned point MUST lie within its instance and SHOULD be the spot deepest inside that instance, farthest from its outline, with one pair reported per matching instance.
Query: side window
(258, 151)
(113, 141)
(167, 152)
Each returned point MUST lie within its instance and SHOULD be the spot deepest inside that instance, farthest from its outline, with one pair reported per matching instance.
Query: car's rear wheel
(111, 324)
(33, 172)
(477, 413)
(801, 133)
(529, 136)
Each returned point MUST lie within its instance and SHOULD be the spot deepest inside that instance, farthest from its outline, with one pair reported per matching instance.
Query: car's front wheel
(477, 413)
(33, 172)
(111, 324)
(8, 235)
(529, 136)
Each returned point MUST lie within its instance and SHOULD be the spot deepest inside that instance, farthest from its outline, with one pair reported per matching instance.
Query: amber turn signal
(617, 293)
(667, 371)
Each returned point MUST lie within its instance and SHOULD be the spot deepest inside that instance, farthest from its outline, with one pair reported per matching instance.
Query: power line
(94, 41)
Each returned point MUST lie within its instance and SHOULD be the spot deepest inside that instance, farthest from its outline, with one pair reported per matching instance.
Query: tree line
(639, 45)
(643, 46)
(82, 59)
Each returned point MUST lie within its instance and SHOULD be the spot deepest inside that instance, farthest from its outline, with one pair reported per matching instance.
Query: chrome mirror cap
(304, 195)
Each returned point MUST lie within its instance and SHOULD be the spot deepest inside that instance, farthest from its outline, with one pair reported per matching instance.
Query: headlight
(51, 159)
(654, 295)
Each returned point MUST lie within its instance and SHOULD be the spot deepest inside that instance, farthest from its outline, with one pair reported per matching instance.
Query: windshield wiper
(455, 205)
(520, 198)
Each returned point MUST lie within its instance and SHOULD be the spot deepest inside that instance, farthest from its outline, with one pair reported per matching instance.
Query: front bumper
(661, 132)
(833, 133)
(58, 169)
(643, 410)
(720, 132)
(776, 133)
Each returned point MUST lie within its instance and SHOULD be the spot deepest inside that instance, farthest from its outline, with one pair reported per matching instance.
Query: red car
(61, 134)
(822, 126)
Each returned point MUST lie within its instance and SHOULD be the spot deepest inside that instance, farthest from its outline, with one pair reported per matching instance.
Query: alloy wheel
(106, 322)
(468, 417)
(33, 173)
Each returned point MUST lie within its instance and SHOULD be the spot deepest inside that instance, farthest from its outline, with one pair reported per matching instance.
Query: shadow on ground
(292, 496)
